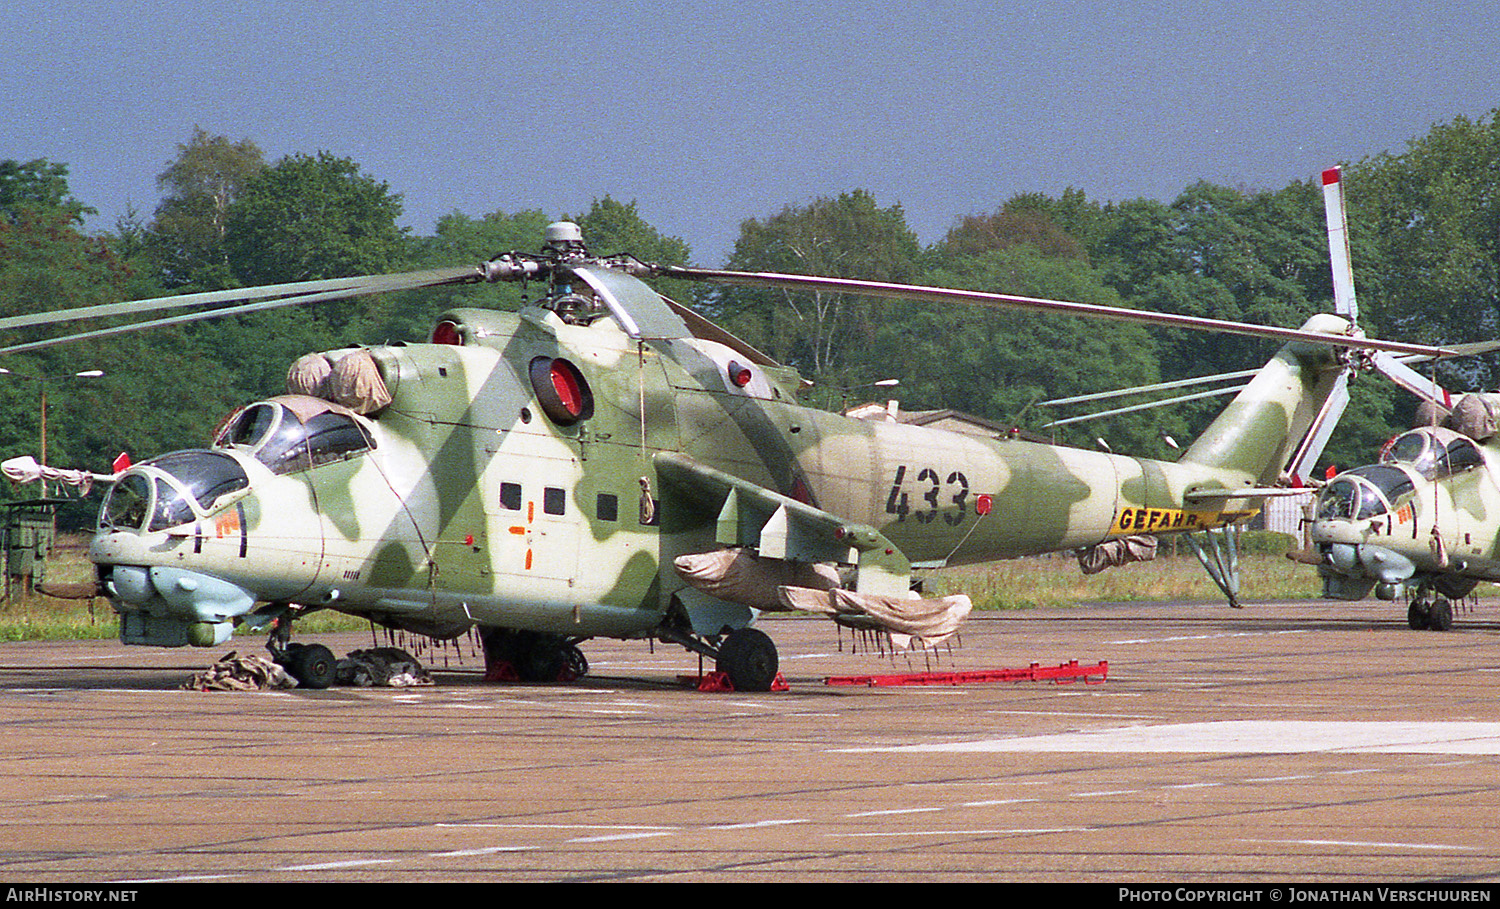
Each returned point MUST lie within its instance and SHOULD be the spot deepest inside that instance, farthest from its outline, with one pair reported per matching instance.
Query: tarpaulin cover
(740, 576)
(350, 378)
(1113, 553)
(909, 621)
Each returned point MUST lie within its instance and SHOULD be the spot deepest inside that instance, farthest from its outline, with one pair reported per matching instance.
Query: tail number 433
(932, 493)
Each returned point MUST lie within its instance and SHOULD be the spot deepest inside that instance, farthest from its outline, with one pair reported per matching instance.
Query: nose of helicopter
(149, 537)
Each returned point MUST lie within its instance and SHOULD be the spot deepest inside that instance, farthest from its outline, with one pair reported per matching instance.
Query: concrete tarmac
(1279, 743)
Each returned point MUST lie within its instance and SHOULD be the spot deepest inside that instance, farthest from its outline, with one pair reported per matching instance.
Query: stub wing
(773, 552)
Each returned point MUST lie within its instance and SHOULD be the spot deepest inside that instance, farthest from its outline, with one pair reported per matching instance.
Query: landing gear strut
(745, 656)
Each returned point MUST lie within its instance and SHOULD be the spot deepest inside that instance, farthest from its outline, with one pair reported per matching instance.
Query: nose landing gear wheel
(312, 665)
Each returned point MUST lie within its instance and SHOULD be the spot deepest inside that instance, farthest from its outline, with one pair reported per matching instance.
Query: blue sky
(709, 113)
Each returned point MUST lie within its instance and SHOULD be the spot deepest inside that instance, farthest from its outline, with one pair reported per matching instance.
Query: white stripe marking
(620, 836)
(488, 850)
(1245, 737)
(891, 811)
(1016, 831)
(328, 866)
(1213, 637)
(755, 824)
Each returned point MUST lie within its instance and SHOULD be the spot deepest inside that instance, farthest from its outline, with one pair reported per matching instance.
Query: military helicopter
(1419, 524)
(606, 462)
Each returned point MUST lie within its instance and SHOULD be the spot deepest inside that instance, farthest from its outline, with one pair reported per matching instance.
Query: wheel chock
(719, 681)
(501, 671)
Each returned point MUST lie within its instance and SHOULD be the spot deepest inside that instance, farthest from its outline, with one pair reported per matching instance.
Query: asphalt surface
(1278, 743)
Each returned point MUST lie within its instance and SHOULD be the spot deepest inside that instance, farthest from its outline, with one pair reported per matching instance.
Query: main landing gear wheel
(1417, 615)
(312, 665)
(1440, 616)
(533, 656)
(748, 657)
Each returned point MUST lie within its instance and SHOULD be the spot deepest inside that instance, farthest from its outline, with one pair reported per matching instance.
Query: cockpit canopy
(1433, 451)
(171, 490)
(295, 432)
(1364, 492)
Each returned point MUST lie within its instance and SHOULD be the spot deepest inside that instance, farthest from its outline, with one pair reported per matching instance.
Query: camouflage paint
(420, 532)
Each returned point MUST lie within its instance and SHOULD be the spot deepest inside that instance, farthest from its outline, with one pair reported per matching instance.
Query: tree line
(1425, 225)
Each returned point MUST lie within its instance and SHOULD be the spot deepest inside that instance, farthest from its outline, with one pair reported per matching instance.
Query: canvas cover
(350, 378)
(908, 621)
(740, 576)
(1113, 553)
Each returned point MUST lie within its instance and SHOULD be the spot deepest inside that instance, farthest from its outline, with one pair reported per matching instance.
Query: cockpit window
(286, 442)
(171, 509)
(196, 481)
(1339, 499)
(1433, 452)
(206, 475)
(126, 505)
(1364, 492)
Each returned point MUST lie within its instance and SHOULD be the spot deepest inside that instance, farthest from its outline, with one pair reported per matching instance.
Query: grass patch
(1056, 580)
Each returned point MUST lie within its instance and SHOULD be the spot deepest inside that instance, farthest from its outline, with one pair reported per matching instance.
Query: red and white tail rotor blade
(1344, 302)
(1315, 440)
(1411, 380)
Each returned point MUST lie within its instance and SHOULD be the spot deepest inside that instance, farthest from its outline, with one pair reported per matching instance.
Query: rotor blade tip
(1330, 176)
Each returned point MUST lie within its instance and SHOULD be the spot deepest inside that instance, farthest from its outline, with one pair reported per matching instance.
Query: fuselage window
(554, 500)
(510, 496)
(608, 507)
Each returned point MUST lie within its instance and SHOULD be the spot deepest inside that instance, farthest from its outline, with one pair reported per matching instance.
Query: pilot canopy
(1433, 452)
(295, 432)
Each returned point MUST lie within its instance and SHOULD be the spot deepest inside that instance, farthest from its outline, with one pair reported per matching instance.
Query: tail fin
(1277, 425)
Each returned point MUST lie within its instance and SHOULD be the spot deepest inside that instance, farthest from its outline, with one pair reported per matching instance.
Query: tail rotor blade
(1344, 302)
(1411, 380)
(1311, 447)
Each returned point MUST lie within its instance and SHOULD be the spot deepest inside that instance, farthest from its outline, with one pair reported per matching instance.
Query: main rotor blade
(1067, 421)
(1148, 389)
(299, 291)
(344, 288)
(1009, 301)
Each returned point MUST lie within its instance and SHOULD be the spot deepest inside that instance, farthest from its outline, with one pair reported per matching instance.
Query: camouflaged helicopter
(608, 463)
(1421, 523)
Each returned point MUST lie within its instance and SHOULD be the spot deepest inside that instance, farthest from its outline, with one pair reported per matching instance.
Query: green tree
(849, 236)
(36, 187)
(457, 240)
(998, 363)
(611, 227)
(1013, 225)
(309, 217)
(1432, 216)
(186, 238)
